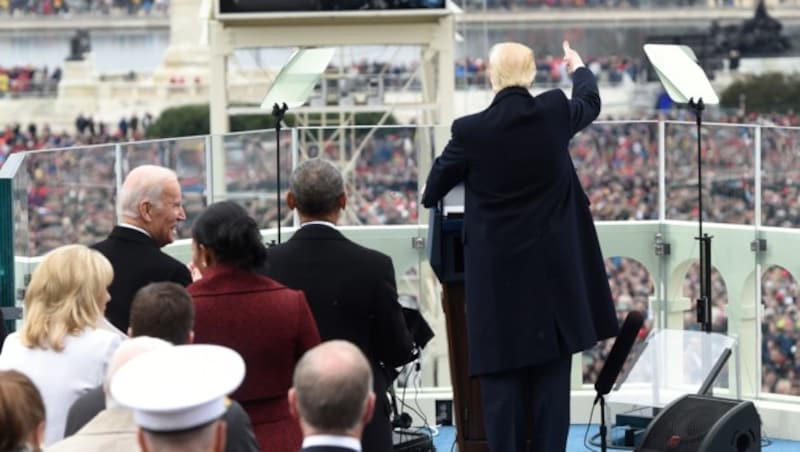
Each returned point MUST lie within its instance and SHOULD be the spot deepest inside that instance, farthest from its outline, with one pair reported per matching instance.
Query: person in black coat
(149, 208)
(351, 289)
(332, 398)
(535, 281)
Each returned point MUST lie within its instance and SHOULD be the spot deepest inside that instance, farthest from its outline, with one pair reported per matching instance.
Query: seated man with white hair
(149, 210)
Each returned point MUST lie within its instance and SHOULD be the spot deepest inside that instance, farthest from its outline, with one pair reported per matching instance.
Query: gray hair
(316, 185)
(333, 382)
(143, 183)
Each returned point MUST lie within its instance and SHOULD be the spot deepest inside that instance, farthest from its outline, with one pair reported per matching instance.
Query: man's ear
(292, 395)
(220, 436)
(290, 201)
(145, 209)
(369, 410)
(342, 201)
(190, 339)
(142, 441)
(39, 438)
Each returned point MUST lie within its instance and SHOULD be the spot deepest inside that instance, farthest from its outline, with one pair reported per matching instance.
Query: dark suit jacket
(240, 436)
(535, 280)
(137, 262)
(271, 326)
(353, 295)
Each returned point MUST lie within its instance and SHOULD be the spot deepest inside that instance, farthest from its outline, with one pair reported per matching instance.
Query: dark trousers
(528, 404)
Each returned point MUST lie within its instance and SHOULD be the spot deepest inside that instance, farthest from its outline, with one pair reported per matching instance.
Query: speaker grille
(683, 427)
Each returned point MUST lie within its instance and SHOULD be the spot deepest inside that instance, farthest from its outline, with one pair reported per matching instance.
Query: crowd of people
(44, 8)
(17, 137)
(521, 5)
(19, 81)
(550, 70)
(780, 354)
(373, 77)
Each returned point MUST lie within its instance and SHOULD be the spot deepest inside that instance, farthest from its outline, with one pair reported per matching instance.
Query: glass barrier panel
(780, 319)
(728, 171)
(617, 163)
(672, 363)
(185, 156)
(379, 166)
(20, 185)
(631, 288)
(780, 184)
(251, 176)
(71, 195)
(13, 234)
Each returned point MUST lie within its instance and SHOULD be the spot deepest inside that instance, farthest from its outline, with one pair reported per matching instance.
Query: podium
(446, 255)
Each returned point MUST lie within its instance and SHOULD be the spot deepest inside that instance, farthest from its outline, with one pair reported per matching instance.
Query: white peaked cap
(178, 388)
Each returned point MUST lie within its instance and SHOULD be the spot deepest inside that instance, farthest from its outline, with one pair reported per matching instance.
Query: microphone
(619, 353)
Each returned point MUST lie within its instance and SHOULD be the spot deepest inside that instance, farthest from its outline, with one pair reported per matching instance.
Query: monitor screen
(265, 6)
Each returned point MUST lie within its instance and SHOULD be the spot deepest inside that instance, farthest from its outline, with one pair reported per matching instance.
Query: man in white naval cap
(178, 396)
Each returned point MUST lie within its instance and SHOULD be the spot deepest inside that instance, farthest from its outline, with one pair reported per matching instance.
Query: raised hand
(571, 58)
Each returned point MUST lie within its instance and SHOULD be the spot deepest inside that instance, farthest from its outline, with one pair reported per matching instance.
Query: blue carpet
(445, 439)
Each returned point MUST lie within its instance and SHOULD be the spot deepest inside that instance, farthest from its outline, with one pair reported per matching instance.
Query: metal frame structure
(431, 29)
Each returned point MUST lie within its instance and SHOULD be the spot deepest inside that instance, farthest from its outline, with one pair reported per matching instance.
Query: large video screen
(251, 6)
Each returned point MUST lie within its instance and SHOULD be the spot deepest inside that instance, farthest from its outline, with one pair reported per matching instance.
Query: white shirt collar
(135, 228)
(332, 440)
(326, 223)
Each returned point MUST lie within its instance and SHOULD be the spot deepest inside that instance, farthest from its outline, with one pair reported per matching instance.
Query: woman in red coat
(270, 325)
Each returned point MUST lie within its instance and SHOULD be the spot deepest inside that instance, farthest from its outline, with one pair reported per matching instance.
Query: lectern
(446, 255)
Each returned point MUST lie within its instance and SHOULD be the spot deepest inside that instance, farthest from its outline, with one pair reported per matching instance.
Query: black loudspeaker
(697, 423)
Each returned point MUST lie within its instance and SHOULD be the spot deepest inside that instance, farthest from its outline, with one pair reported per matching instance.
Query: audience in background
(351, 289)
(780, 353)
(61, 346)
(22, 413)
(44, 8)
(165, 311)
(270, 325)
(149, 208)
(24, 81)
(332, 397)
(111, 428)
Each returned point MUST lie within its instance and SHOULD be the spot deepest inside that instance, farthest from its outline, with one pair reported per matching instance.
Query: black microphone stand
(603, 427)
(704, 302)
(278, 112)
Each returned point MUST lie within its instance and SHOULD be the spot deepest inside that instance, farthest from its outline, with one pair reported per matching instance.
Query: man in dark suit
(332, 398)
(164, 311)
(351, 289)
(536, 287)
(149, 208)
